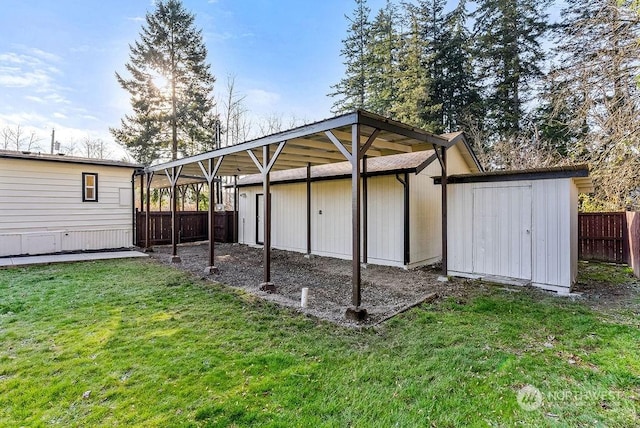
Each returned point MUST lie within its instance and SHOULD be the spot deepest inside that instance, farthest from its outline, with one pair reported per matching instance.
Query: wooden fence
(192, 226)
(603, 237)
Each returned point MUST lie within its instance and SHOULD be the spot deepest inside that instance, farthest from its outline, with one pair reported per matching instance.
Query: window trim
(85, 187)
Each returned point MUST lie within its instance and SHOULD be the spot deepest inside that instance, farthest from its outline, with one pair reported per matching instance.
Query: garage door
(502, 231)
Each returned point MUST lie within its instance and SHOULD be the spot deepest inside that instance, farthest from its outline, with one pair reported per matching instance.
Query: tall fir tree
(382, 60)
(171, 88)
(413, 99)
(352, 88)
(459, 95)
(509, 55)
(430, 16)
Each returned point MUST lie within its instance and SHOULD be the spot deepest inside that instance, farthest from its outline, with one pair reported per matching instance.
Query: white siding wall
(553, 232)
(289, 216)
(386, 221)
(41, 208)
(425, 217)
(552, 239)
(331, 230)
(425, 209)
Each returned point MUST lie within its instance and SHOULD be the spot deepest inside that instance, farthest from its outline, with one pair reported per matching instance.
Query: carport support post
(308, 209)
(173, 178)
(147, 219)
(365, 214)
(209, 174)
(266, 190)
(212, 259)
(355, 312)
(235, 208)
(444, 210)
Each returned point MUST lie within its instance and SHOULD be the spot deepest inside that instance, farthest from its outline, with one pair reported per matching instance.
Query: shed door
(260, 219)
(502, 231)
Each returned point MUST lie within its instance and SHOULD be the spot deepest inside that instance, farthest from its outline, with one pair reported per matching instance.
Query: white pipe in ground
(304, 296)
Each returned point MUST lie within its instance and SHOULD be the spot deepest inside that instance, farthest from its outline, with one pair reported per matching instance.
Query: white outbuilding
(402, 216)
(54, 203)
(516, 227)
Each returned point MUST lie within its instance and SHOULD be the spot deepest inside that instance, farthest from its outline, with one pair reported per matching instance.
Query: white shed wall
(425, 209)
(330, 218)
(41, 208)
(553, 215)
(331, 229)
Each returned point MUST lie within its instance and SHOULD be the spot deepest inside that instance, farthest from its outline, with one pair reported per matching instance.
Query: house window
(89, 187)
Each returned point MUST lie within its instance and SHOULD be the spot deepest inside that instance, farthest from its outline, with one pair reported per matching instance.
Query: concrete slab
(65, 258)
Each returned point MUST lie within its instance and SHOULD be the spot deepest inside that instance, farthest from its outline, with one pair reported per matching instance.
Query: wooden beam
(308, 182)
(443, 158)
(379, 143)
(368, 143)
(319, 142)
(355, 217)
(336, 142)
(272, 161)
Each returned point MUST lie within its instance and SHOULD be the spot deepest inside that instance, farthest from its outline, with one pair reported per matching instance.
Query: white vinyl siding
(550, 208)
(331, 231)
(42, 208)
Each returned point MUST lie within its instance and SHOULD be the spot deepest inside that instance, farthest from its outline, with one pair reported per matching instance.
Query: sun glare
(162, 83)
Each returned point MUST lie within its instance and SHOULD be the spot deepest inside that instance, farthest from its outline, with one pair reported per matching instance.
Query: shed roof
(405, 162)
(12, 154)
(579, 174)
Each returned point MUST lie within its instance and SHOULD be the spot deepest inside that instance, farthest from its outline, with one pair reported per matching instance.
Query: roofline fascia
(95, 162)
(331, 177)
(514, 176)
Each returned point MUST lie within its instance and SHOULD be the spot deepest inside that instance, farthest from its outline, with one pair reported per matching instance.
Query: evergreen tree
(430, 16)
(382, 59)
(171, 87)
(459, 94)
(352, 89)
(509, 58)
(413, 99)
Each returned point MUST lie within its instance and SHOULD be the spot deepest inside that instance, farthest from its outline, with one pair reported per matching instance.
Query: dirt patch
(385, 290)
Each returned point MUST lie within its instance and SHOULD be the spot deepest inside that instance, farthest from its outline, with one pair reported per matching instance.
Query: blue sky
(58, 59)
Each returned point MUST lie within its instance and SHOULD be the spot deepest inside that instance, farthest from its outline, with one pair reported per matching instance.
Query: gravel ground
(385, 290)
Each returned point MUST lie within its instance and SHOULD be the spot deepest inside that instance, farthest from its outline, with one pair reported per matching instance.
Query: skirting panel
(54, 241)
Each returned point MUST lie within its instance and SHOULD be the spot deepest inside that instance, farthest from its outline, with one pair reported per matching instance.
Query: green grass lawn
(156, 347)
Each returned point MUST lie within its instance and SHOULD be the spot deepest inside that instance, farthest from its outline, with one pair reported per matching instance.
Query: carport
(353, 136)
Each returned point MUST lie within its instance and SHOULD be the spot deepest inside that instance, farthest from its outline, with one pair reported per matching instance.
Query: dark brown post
(212, 236)
(147, 215)
(197, 188)
(365, 214)
(141, 192)
(266, 186)
(407, 221)
(235, 208)
(174, 217)
(444, 210)
(308, 209)
(356, 312)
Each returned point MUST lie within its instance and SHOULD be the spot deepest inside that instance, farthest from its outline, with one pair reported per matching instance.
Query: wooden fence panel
(193, 226)
(633, 233)
(602, 237)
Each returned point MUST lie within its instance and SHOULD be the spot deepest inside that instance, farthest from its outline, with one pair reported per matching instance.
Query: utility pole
(53, 136)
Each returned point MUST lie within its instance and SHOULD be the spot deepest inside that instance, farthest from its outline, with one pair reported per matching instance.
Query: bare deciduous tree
(17, 138)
